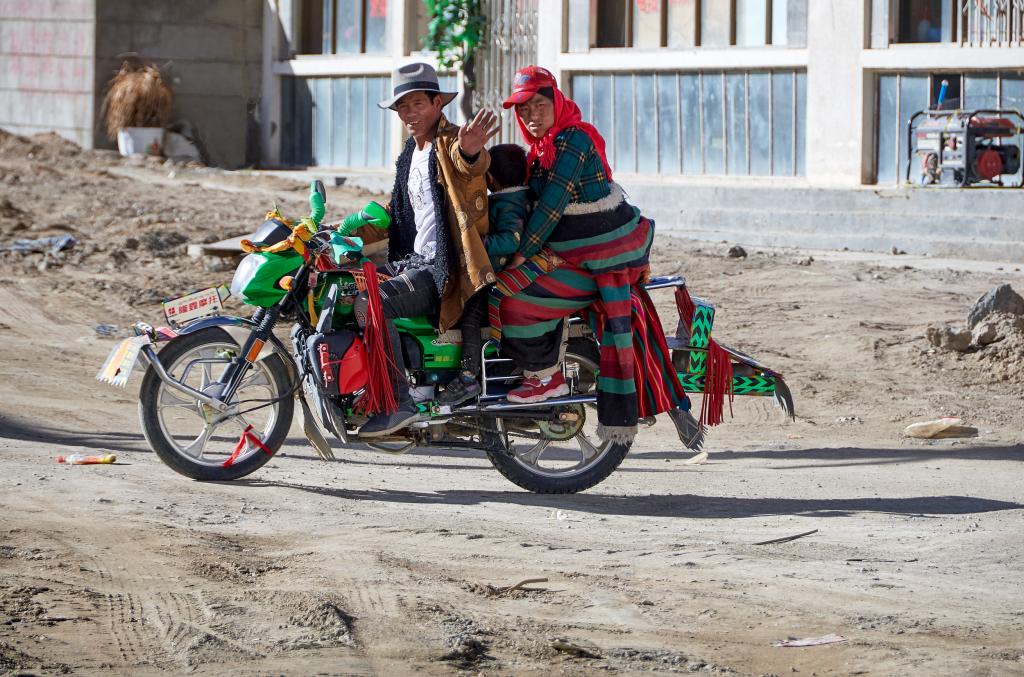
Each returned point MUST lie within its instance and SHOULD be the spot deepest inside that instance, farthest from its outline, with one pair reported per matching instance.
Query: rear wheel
(563, 456)
(197, 442)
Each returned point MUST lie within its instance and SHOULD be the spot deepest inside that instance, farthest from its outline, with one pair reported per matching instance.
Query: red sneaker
(533, 390)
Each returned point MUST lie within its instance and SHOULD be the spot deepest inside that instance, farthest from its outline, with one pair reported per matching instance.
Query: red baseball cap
(527, 82)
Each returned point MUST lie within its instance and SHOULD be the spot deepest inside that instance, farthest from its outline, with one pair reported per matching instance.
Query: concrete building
(764, 121)
(56, 57)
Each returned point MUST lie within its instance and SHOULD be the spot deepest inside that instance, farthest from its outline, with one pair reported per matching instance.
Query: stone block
(215, 78)
(195, 43)
(113, 38)
(254, 13)
(77, 10)
(128, 10)
(253, 45)
(47, 110)
(220, 123)
(195, 12)
(226, 12)
(61, 38)
(254, 82)
(45, 72)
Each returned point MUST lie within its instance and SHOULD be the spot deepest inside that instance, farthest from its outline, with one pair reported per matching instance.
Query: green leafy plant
(455, 30)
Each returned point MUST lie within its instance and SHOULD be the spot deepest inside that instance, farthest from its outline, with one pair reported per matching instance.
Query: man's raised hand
(473, 135)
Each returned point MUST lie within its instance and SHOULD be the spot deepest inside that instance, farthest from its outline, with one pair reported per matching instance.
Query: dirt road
(391, 565)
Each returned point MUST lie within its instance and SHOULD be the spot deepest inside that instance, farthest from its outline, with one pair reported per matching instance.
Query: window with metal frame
(702, 122)
(681, 24)
(335, 122)
(975, 23)
(344, 27)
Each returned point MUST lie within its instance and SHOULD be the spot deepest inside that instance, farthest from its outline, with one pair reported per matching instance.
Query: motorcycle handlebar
(317, 200)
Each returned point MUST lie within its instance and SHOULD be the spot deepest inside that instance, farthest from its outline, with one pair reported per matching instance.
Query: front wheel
(198, 442)
(564, 457)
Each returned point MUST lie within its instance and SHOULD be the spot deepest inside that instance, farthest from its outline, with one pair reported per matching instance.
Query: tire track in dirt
(121, 607)
(370, 589)
(150, 624)
(130, 620)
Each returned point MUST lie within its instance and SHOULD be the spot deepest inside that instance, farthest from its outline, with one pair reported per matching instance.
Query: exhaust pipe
(512, 406)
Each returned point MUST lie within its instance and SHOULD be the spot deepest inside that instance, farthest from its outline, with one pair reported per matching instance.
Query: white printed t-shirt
(421, 196)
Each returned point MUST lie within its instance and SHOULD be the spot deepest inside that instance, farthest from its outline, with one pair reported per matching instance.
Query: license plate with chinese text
(195, 305)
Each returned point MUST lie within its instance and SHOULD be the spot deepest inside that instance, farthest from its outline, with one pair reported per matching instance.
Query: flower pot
(140, 140)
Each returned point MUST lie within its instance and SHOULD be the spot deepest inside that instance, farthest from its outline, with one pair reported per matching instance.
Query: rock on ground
(949, 338)
(1001, 299)
(985, 333)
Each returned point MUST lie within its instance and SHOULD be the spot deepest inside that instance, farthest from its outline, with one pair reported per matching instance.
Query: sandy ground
(383, 565)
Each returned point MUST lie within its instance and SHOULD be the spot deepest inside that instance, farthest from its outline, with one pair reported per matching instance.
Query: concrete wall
(980, 223)
(211, 49)
(47, 61)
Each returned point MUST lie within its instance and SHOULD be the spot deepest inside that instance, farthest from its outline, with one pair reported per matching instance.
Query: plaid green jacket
(576, 176)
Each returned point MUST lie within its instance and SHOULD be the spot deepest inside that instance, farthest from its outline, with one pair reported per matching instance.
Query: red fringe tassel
(685, 305)
(717, 385)
(648, 337)
(718, 369)
(244, 440)
(380, 393)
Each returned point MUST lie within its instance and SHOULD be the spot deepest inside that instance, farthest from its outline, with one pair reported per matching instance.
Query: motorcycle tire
(586, 354)
(514, 472)
(150, 392)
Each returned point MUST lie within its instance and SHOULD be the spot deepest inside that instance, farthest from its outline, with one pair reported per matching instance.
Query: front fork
(240, 365)
(265, 319)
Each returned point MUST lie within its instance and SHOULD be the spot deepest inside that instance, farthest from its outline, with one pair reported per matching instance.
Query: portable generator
(957, 148)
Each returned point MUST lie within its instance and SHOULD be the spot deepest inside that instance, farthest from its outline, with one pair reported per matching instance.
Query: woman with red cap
(583, 243)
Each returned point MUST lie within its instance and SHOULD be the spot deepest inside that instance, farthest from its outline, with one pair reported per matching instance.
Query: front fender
(239, 329)
(228, 322)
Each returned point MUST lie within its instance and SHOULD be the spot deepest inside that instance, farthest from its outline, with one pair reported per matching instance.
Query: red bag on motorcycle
(339, 362)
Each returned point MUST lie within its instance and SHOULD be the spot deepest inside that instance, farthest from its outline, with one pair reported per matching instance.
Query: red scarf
(567, 114)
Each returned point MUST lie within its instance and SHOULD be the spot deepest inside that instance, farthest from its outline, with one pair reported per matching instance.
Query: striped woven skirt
(530, 304)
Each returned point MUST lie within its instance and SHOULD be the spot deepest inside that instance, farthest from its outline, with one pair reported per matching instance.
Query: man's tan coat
(465, 190)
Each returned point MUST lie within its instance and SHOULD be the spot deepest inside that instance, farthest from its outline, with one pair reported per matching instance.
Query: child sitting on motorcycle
(509, 207)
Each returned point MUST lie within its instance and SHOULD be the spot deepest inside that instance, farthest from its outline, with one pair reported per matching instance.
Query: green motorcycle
(218, 396)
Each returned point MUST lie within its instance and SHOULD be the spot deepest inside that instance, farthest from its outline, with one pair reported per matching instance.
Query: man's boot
(385, 424)
(463, 387)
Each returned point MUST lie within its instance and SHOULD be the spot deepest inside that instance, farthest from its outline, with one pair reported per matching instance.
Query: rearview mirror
(319, 185)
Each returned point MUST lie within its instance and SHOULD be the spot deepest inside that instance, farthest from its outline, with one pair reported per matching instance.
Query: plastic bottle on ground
(84, 459)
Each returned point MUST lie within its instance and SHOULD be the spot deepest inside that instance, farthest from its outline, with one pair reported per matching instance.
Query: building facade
(762, 121)
(788, 92)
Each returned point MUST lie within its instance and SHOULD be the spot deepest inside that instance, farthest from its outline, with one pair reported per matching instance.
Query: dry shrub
(138, 96)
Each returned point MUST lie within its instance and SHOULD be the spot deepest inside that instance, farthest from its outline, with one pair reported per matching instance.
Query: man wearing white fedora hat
(438, 217)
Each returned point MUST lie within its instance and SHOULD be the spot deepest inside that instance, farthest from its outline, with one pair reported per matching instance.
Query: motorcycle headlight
(243, 276)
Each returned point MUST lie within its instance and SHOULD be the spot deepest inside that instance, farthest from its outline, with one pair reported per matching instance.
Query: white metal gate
(510, 44)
